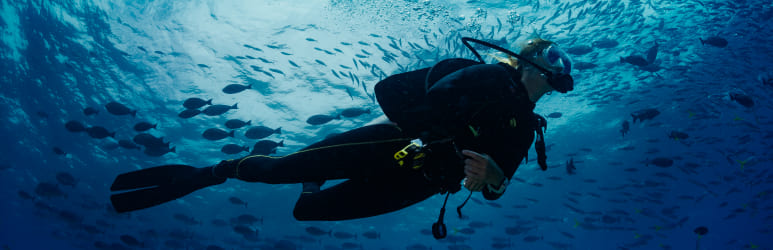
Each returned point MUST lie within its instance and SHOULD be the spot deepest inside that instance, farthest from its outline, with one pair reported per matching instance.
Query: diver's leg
(312, 186)
(359, 198)
(356, 153)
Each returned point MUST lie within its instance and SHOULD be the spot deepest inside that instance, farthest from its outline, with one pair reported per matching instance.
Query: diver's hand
(474, 185)
(481, 168)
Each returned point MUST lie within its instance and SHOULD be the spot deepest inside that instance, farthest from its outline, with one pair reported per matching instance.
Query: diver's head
(550, 61)
(537, 57)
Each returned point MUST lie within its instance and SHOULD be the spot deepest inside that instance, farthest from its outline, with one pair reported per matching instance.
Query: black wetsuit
(483, 108)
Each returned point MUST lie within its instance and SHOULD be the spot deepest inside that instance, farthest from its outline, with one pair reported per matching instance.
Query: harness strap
(459, 208)
(539, 144)
(439, 228)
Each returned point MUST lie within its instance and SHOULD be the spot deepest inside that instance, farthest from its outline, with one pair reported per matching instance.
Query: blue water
(59, 57)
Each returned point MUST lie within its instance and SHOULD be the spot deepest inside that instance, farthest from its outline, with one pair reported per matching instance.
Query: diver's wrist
(498, 188)
(500, 181)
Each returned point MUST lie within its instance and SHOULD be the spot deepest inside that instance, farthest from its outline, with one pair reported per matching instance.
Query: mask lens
(557, 58)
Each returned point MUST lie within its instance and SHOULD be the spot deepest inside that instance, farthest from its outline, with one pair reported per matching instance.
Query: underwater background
(690, 79)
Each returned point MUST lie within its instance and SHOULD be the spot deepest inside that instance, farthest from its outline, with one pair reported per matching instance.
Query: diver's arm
(496, 183)
(507, 166)
(506, 158)
(509, 146)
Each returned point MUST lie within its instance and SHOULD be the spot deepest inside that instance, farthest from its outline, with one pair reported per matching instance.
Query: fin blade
(149, 177)
(149, 197)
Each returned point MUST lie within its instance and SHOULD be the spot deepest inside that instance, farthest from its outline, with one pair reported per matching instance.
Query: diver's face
(535, 77)
(536, 83)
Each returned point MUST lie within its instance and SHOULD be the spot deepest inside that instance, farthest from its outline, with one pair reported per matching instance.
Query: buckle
(410, 155)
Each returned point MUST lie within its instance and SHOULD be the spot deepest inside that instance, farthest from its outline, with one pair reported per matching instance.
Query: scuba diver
(459, 123)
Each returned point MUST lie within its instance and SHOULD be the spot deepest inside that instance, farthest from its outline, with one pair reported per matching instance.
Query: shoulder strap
(444, 68)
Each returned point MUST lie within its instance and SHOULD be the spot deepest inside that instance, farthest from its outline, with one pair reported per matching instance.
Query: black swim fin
(157, 185)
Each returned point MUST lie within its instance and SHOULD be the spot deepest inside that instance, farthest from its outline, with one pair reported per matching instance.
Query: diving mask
(559, 77)
(558, 59)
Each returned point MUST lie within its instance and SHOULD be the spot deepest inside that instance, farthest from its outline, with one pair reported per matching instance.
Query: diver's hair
(531, 47)
(509, 60)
